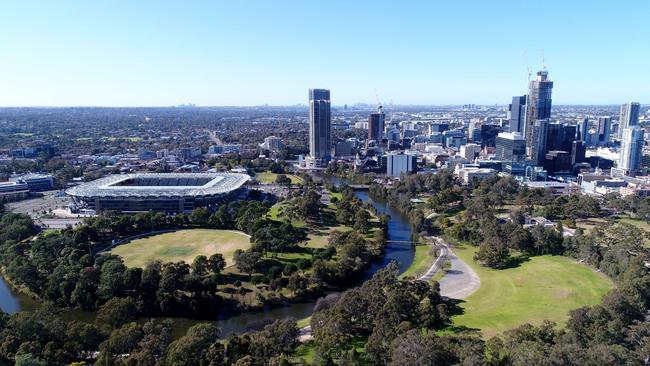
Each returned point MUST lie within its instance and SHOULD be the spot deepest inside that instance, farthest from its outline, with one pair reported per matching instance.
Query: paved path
(461, 280)
(437, 265)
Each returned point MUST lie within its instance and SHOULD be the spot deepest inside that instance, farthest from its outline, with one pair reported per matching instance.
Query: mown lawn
(182, 245)
(268, 177)
(543, 288)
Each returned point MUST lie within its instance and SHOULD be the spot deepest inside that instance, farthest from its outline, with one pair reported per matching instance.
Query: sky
(247, 52)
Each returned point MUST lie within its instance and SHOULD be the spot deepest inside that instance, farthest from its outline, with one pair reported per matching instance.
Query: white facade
(631, 150)
(398, 164)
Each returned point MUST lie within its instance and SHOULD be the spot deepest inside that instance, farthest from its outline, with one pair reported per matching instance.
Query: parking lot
(47, 211)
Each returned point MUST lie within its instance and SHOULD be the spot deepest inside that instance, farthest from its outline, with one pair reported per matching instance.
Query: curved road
(460, 280)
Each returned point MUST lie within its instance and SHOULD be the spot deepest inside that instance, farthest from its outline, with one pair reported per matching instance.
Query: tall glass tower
(538, 107)
(629, 117)
(320, 125)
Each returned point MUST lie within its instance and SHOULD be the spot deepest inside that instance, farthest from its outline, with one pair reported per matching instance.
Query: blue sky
(159, 53)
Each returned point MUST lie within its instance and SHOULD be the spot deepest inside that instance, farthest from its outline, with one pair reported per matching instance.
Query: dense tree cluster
(381, 309)
(57, 266)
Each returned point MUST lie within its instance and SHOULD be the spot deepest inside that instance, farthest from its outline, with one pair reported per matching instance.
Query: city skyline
(222, 54)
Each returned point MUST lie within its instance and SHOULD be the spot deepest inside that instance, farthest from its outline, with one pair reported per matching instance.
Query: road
(460, 280)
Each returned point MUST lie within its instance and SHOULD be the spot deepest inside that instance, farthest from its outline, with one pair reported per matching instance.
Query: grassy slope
(421, 261)
(182, 245)
(546, 287)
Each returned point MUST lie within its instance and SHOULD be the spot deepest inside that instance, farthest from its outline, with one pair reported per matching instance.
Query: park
(182, 245)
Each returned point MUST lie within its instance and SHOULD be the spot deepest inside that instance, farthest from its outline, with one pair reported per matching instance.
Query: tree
(246, 260)
(362, 221)
(116, 312)
(493, 253)
(282, 179)
(200, 216)
(192, 348)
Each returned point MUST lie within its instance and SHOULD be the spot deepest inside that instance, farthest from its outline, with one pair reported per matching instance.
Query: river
(400, 251)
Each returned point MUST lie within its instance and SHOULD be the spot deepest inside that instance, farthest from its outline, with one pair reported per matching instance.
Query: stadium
(166, 192)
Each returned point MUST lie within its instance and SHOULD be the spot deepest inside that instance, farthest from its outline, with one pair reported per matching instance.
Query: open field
(268, 177)
(182, 245)
(543, 288)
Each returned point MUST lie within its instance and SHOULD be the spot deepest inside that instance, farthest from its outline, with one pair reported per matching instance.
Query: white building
(272, 143)
(470, 151)
(398, 164)
(631, 150)
(467, 174)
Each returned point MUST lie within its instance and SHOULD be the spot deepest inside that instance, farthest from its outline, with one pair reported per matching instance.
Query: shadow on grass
(515, 261)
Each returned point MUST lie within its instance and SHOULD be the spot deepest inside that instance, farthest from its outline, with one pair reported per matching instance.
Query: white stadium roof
(149, 185)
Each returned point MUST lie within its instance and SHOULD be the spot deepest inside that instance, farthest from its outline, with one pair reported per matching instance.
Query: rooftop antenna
(543, 61)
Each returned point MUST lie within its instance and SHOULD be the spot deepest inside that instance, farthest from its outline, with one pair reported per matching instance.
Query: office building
(557, 161)
(13, 191)
(343, 149)
(468, 174)
(36, 182)
(584, 129)
(629, 117)
(559, 136)
(320, 125)
(376, 125)
(273, 143)
(537, 145)
(510, 146)
(398, 164)
(578, 151)
(604, 130)
(470, 151)
(489, 134)
(438, 127)
(538, 107)
(631, 150)
(454, 138)
(518, 114)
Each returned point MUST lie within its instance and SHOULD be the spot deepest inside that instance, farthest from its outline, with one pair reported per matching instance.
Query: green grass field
(268, 177)
(422, 261)
(543, 288)
(182, 245)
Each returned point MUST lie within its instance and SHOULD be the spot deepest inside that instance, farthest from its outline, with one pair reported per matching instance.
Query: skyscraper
(604, 130)
(376, 125)
(320, 124)
(538, 106)
(518, 114)
(629, 117)
(538, 140)
(631, 150)
(584, 129)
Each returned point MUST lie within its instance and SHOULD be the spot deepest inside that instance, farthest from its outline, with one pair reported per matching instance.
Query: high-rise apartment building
(631, 150)
(320, 125)
(538, 106)
(518, 114)
(629, 117)
(376, 125)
